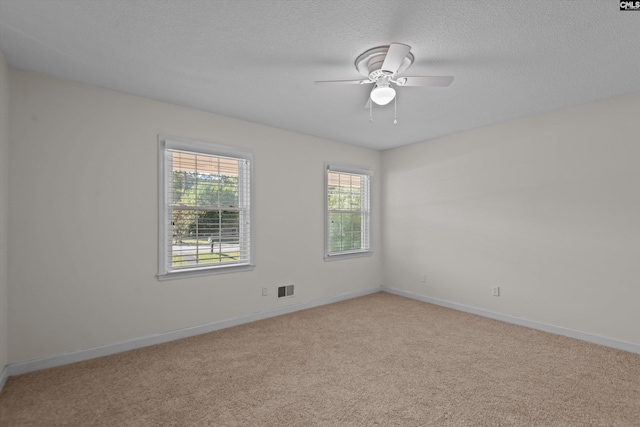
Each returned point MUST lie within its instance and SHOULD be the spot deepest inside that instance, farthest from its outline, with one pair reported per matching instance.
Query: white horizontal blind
(207, 211)
(348, 211)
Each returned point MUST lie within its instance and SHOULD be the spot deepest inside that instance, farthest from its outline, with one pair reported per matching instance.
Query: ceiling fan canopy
(381, 66)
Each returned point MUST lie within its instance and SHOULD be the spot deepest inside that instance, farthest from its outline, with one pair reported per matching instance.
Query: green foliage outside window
(346, 206)
(216, 221)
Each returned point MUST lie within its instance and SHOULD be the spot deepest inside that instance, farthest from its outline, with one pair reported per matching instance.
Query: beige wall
(547, 208)
(4, 210)
(84, 219)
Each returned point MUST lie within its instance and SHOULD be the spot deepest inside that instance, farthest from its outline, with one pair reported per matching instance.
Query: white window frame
(168, 144)
(367, 175)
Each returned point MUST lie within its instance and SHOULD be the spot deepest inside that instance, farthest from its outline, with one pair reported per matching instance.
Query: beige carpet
(377, 360)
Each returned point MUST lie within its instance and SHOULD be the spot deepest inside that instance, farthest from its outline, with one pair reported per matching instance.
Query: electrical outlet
(495, 291)
(423, 278)
(265, 291)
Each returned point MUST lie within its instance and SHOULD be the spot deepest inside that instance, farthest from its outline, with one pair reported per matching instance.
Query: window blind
(348, 210)
(207, 216)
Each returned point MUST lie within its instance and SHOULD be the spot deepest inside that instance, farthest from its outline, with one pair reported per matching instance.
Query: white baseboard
(3, 377)
(132, 344)
(558, 330)
(106, 350)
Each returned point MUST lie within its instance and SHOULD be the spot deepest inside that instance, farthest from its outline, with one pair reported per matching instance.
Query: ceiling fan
(381, 66)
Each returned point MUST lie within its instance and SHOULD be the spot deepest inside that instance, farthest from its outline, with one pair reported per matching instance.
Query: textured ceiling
(257, 60)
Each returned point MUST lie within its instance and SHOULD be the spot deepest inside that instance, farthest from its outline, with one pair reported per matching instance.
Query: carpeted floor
(376, 360)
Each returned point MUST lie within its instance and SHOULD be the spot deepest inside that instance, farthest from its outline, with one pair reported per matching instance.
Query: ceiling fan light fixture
(383, 94)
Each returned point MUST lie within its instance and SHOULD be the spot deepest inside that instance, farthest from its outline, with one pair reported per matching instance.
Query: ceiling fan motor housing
(369, 64)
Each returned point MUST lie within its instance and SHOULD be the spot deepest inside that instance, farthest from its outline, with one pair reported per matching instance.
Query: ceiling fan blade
(432, 81)
(395, 56)
(345, 82)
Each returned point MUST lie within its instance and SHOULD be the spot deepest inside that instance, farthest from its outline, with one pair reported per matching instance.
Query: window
(205, 208)
(347, 216)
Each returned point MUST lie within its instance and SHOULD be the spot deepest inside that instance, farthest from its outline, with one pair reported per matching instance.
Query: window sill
(204, 272)
(347, 255)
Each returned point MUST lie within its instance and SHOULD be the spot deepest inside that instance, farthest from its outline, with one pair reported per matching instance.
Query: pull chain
(370, 111)
(395, 110)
